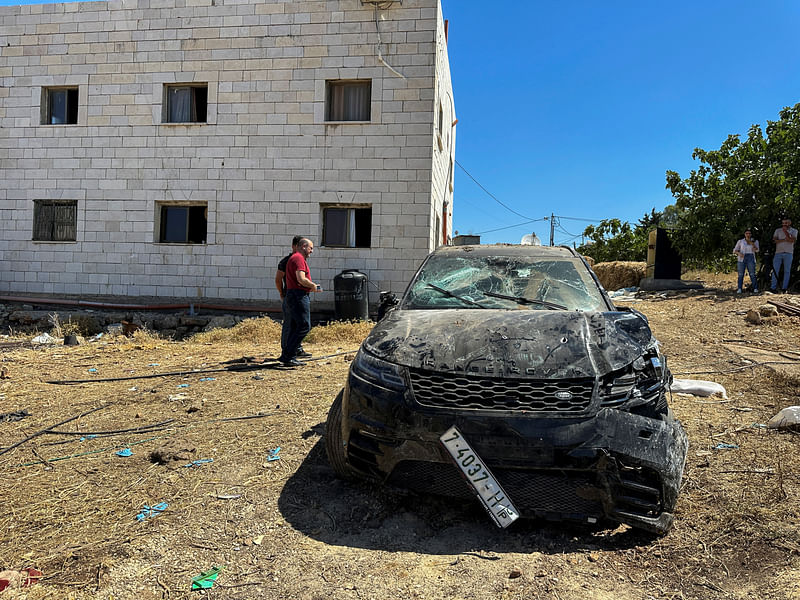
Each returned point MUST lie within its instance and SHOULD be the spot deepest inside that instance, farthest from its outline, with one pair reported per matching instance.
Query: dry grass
(264, 330)
(70, 505)
(254, 331)
(340, 332)
(620, 274)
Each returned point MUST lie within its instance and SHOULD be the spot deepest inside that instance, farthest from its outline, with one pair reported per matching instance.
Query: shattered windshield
(509, 282)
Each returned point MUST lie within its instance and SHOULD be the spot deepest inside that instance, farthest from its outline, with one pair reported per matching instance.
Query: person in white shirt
(784, 239)
(745, 251)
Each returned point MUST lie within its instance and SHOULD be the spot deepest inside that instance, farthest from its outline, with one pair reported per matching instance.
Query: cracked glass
(526, 283)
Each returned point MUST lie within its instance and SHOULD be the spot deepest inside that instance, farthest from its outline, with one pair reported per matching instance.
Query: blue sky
(579, 108)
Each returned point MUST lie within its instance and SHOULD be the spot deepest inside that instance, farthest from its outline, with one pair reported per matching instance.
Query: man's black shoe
(292, 362)
(303, 354)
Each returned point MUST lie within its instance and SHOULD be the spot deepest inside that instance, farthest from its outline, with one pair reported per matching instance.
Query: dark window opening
(183, 224)
(61, 106)
(347, 227)
(55, 220)
(186, 103)
(348, 100)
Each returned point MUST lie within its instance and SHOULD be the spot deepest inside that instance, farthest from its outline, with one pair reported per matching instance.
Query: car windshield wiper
(450, 294)
(524, 300)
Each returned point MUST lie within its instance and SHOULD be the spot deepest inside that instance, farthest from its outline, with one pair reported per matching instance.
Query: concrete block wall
(264, 162)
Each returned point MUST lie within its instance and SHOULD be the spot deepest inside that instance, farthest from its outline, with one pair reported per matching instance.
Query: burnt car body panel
(566, 407)
(542, 344)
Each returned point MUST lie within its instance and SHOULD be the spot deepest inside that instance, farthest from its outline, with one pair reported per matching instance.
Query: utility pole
(552, 227)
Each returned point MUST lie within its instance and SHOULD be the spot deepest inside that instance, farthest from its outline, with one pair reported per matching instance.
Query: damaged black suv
(559, 394)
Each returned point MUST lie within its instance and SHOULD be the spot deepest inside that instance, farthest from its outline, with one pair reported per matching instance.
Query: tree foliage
(613, 239)
(746, 183)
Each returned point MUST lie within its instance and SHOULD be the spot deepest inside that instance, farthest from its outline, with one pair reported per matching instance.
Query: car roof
(510, 250)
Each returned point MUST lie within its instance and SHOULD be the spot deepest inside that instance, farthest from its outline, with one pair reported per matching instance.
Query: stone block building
(172, 148)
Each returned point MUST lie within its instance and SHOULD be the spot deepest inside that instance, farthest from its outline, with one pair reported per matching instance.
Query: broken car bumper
(609, 465)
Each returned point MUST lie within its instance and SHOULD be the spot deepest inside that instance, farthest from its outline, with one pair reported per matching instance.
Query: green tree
(746, 183)
(613, 239)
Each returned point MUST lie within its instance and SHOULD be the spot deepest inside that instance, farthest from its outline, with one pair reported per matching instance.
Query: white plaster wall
(263, 162)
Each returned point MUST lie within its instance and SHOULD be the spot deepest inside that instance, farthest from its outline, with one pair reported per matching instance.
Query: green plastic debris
(206, 579)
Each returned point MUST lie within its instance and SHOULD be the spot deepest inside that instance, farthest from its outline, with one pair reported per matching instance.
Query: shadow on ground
(364, 515)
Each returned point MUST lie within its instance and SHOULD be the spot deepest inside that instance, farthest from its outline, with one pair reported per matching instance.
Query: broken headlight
(642, 383)
(378, 372)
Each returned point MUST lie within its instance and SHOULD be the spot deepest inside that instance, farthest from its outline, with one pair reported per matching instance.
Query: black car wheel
(334, 444)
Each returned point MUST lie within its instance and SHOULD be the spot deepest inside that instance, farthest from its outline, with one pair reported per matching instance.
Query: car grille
(492, 393)
(534, 493)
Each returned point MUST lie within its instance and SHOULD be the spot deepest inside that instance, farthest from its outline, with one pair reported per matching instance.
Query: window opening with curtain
(186, 103)
(348, 100)
(60, 106)
(346, 226)
(183, 224)
(55, 220)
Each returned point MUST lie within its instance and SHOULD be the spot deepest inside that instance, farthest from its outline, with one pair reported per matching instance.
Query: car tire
(334, 444)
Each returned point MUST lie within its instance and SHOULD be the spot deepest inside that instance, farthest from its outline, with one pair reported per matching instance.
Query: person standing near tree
(784, 239)
(280, 284)
(745, 251)
(297, 303)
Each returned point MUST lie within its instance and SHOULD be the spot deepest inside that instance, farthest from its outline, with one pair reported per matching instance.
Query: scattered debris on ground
(289, 528)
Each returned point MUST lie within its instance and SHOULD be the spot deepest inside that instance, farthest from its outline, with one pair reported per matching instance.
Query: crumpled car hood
(544, 344)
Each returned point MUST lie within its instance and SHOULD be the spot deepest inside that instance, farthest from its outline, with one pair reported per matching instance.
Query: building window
(441, 127)
(183, 224)
(186, 103)
(60, 106)
(347, 227)
(55, 220)
(348, 100)
(450, 174)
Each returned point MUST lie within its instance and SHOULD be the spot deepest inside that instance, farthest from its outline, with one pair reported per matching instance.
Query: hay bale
(620, 274)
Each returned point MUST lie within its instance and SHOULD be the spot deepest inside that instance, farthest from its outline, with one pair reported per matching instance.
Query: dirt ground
(288, 528)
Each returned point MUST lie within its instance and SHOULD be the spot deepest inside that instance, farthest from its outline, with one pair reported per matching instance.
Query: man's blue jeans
(297, 310)
(285, 322)
(285, 325)
(749, 263)
(785, 259)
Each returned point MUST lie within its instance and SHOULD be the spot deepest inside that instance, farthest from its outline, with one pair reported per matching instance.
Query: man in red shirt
(296, 302)
(280, 284)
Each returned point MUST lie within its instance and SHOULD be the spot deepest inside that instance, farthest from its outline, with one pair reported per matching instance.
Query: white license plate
(488, 489)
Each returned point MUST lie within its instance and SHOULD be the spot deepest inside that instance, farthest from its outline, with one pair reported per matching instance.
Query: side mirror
(387, 301)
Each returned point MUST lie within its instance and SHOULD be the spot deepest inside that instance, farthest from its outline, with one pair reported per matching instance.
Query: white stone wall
(264, 161)
(444, 145)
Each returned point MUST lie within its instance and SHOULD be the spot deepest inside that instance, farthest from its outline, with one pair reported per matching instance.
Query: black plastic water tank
(350, 296)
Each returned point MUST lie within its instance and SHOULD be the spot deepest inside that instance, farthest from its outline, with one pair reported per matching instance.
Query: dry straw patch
(340, 332)
(71, 501)
(620, 274)
(735, 533)
(255, 331)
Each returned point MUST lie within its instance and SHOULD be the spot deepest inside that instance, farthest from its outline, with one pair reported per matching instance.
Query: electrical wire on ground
(270, 364)
(129, 444)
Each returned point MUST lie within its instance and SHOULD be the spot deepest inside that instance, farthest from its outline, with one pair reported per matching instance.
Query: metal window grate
(55, 220)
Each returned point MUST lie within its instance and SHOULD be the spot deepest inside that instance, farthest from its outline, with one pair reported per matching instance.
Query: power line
(579, 219)
(562, 230)
(492, 196)
(511, 226)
